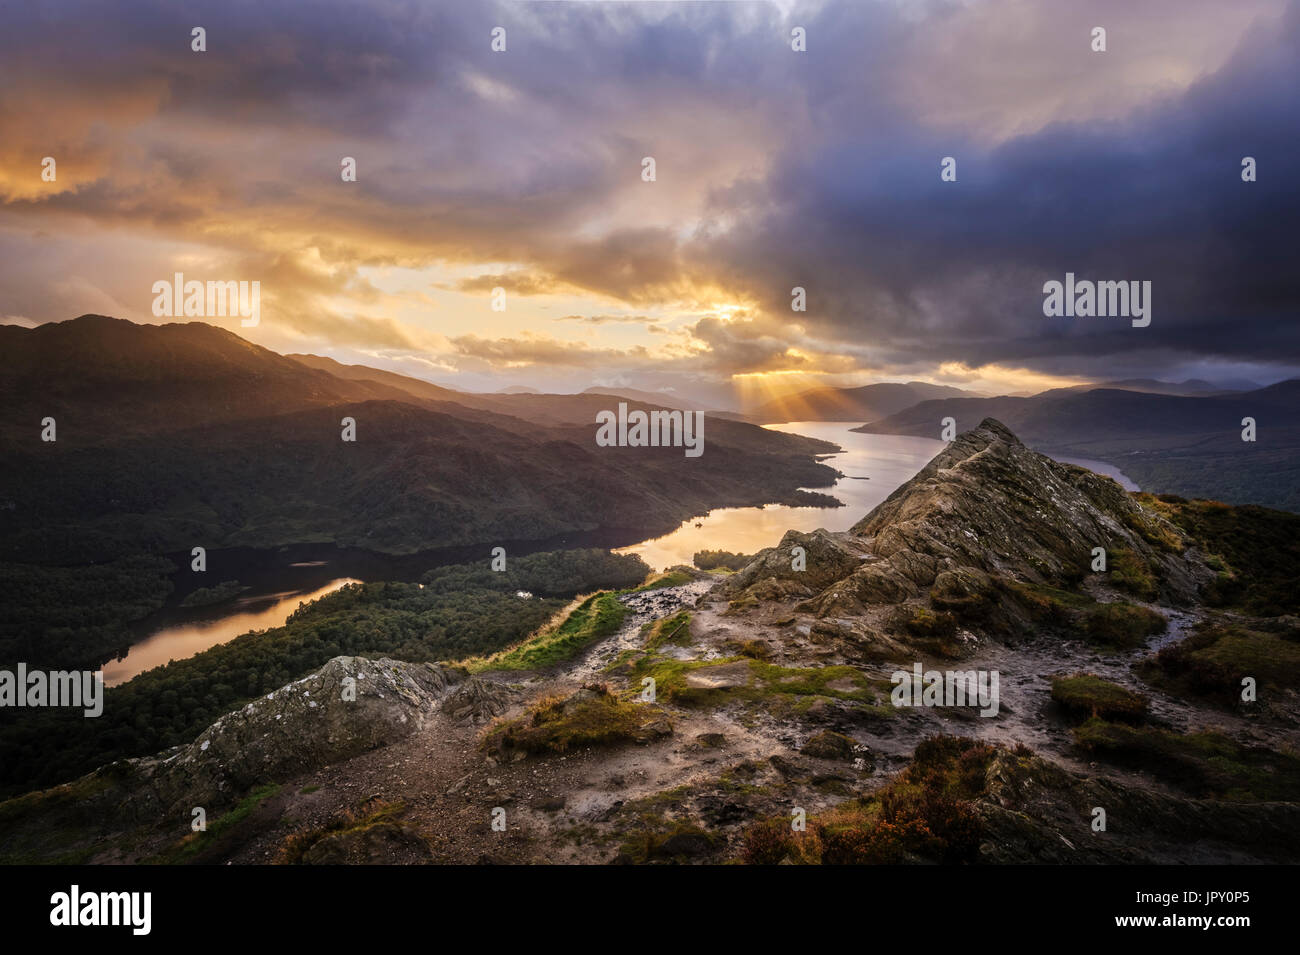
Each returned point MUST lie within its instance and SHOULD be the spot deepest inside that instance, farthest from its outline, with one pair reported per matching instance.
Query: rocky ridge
(772, 692)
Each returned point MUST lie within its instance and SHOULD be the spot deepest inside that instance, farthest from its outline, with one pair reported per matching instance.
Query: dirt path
(450, 788)
(558, 808)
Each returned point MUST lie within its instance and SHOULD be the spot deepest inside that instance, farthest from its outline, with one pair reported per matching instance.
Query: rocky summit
(756, 716)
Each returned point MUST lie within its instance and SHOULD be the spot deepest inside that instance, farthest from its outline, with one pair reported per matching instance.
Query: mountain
(178, 436)
(1189, 445)
(103, 379)
(849, 404)
(828, 683)
(1192, 386)
(413, 386)
(661, 398)
(169, 435)
(518, 401)
(985, 508)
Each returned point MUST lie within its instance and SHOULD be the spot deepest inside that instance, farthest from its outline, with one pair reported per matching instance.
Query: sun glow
(757, 387)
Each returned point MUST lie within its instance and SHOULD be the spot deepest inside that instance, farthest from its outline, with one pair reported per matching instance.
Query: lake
(873, 465)
(211, 626)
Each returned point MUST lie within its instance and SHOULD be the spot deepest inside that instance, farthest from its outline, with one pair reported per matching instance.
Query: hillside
(1190, 387)
(661, 398)
(183, 435)
(106, 379)
(413, 386)
(1188, 445)
(173, 434)
(775, 688)
(413, 480)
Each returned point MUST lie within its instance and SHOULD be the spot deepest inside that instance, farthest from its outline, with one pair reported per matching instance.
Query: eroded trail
(734, 753)
(643, 608)
(775, 698)
(723, 708)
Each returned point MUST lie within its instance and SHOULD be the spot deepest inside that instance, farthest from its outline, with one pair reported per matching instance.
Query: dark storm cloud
(955, 270)
(776, 169)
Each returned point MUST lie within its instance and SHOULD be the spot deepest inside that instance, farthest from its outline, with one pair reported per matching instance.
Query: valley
(771, 696)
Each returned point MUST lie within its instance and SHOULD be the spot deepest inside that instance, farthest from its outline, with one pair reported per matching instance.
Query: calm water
(224, 622)
(874, 465)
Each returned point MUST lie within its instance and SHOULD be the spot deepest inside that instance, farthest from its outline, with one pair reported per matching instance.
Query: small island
(207, 596)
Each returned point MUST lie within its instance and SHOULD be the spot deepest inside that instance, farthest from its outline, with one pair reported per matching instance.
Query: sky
(523, 169)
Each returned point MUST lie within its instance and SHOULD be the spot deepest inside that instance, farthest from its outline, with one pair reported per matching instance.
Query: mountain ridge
(770, 695)
(1188, 445)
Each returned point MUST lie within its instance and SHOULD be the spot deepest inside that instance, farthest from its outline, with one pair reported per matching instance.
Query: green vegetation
(1087, 695)
(1130, 574)
(77, 617)
(225, 830)
(927, 812)
(560, 573)
(207, 596)
(591, 717)
(673, 577)
(933, 630)
(919, 621)
(1123, 626)
(1213, 661)
(459, 611)
(1204, 764)
(51, 826)
(1257, 549)
(692, 682)
(969, 598)
(754, 649)
(1152, 531)
(1046, 606)
(373, 814)
(598, 616)
(720, 560)
(675, 630)
(680, 841)
(1117, 626)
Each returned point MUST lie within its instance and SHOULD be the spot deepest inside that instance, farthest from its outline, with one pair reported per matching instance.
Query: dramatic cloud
(773, 169)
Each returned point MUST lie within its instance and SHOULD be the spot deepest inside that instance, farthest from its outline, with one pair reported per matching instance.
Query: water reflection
(238, 617)
(874, 465)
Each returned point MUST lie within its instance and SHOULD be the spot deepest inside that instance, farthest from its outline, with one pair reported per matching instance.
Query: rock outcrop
(826, 558)
(348, 706)
(985, 508)
(1035, 811)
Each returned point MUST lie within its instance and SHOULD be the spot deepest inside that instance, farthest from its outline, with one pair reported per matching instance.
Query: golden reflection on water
(185, 640)
(886, 460)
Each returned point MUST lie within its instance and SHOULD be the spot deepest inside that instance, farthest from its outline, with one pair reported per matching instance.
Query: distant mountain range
(850, 404)
(663, 399)
(169, 436)
(872, 402)
(984, 562)
(1191, 387)
(1183, 444)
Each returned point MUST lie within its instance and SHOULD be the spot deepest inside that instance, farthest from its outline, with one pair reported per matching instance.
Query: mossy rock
(1123, 626)
(1086, 695)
